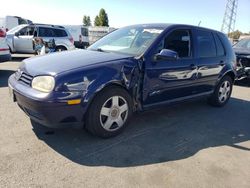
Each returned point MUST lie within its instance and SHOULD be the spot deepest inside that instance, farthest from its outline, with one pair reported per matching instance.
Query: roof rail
(58, 26)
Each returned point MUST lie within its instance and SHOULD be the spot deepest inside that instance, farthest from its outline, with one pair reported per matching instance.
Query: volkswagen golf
(134, 68)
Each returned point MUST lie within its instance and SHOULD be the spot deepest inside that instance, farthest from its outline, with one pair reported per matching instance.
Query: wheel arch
(106, 86)
(229, 73)
(61, 46)
(91, 96)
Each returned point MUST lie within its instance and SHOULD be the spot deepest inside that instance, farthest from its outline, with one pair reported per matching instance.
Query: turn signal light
(75, 101)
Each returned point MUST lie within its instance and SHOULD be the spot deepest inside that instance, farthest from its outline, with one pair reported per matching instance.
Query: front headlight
(43, 83)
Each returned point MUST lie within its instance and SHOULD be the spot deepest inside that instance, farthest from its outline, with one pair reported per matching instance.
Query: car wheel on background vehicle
(109, 112)
(60, 49)
(222, 92)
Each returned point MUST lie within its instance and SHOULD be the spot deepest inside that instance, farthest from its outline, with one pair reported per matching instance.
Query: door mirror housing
(17, 34)
(166, 54)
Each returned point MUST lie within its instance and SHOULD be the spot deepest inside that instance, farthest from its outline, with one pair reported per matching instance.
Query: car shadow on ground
(4, 76)
(18, 58)
(156, 136)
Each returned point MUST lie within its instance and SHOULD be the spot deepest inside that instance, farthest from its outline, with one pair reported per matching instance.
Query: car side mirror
(17, 34)
(166, 54)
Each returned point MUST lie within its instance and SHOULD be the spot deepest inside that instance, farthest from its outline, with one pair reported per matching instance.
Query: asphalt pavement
(186, 145)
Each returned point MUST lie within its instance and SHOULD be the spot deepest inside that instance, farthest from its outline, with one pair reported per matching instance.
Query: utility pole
(229, 19)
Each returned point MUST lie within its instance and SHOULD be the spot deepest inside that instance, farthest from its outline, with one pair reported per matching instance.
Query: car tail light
(71, 40)
(2, 33)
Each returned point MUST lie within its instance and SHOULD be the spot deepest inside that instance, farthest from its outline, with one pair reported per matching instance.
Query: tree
(235, 35)
(102, 19)
(97, 21)
(86, 21)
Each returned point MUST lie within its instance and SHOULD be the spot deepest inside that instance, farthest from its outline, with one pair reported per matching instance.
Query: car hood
(53, 64)
(241, 51)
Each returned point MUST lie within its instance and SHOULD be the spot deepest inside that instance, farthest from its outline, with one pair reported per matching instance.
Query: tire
(109, 112)
(60, 49)
(222, 92)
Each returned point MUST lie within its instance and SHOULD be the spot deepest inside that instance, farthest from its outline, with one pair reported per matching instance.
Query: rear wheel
(109, 112)
(222, 92)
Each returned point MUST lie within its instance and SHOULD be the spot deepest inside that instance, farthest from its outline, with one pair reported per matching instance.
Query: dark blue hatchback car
(131, 69)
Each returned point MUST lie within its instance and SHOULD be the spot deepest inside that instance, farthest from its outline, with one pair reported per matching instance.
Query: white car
(4, 49)
(20, 38)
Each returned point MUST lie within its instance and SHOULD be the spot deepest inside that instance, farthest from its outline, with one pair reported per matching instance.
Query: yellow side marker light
(75, 101)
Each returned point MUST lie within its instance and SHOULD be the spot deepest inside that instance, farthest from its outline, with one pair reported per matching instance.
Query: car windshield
(15, 29)
(133, 40)
(244, 43)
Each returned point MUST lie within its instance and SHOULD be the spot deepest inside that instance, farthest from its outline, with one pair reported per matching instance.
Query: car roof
(168, 25)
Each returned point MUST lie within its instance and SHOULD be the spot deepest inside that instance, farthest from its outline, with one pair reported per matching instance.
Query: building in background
(95, 33)
(244, 36)
(84, 36)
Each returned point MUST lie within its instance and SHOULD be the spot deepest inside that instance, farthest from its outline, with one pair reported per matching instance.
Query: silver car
(20, 38)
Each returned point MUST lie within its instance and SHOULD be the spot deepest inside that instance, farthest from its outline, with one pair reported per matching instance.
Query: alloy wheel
(114, 113)
(224, 91)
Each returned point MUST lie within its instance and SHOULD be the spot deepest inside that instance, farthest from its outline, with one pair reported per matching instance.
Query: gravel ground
(187, 145)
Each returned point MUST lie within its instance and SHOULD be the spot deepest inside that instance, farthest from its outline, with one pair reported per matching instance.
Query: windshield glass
(133, 40)
(15, 29)
(244, 43)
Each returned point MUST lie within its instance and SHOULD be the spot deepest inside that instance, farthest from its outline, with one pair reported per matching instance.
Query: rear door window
(60, 33)
(220, 47)
(46, 32)
(206, 44)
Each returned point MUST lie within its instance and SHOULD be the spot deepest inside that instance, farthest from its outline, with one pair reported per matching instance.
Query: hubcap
(114, 113)
(224, 91)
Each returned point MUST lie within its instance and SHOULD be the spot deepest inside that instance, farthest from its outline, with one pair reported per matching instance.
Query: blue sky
(127, 12)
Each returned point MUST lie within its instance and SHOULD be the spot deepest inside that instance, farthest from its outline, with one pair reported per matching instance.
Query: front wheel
(109, 112)
(222, 92)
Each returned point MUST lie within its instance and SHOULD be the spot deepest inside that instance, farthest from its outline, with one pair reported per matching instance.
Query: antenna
(229, 19)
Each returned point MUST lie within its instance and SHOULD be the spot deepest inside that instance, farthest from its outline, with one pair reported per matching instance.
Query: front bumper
(46, 110)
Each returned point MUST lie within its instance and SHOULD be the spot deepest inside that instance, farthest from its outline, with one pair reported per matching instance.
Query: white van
(80, 35)
(9, 22)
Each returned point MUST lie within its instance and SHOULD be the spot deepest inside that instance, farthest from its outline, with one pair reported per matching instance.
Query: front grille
(24, 78)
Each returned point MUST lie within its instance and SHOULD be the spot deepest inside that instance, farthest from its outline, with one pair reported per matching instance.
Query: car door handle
(193, 66)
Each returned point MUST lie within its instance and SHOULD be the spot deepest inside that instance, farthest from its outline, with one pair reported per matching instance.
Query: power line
(229, 19)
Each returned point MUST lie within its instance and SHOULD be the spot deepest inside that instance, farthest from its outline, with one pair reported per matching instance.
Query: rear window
(206, 44)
